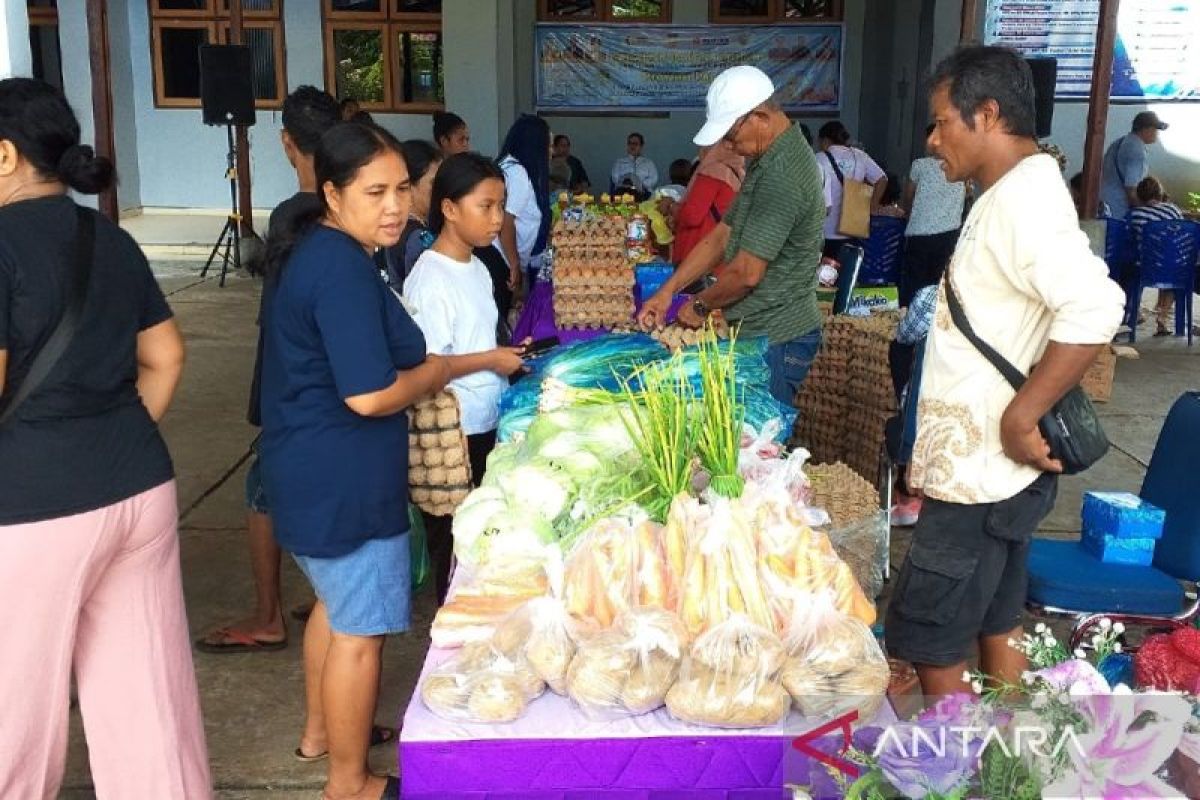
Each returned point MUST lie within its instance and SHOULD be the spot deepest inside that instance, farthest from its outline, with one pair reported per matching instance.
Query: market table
(555, 752)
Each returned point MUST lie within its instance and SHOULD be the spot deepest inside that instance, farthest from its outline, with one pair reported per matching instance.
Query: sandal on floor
(235, 641)
(380, 734)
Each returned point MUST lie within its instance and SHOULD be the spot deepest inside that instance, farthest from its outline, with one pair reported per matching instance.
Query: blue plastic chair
(1120, 254)
(1066, 580)
(1118, 247)
(1167, 251)
(882, 252)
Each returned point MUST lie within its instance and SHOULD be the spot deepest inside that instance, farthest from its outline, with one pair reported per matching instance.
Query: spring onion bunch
(722, 416)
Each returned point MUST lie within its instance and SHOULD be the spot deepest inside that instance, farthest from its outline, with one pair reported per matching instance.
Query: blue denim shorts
(789, 363)
(366, 592)
(256, 495)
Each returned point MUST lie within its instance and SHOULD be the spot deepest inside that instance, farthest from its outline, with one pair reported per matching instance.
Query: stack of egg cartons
(1121, 528)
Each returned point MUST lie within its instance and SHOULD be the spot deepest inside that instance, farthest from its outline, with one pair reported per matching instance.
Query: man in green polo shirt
(770, 239)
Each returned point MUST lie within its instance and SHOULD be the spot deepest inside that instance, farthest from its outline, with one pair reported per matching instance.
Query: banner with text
(665, 67)
(1157, 53)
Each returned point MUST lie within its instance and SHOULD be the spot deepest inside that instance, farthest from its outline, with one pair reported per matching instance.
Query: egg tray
(439, 464)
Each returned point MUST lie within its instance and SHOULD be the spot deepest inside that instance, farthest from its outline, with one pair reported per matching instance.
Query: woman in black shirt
(89, 552)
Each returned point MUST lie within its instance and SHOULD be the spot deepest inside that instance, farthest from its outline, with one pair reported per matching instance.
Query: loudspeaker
(1045, 77)
(226, 87)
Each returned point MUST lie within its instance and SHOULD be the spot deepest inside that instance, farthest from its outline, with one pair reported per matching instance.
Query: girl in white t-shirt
(449, 295)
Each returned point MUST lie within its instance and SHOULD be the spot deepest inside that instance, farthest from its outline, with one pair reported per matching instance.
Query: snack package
(834, 663)
(481, 685)
(730, 678)
(628, 668)
(616, 564)
(542, 633)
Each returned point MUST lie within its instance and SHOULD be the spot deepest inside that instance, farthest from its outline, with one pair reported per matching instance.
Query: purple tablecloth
(555, 752)
(537, 317)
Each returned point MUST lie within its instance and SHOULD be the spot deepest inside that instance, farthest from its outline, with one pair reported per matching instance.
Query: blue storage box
(651, 277)
(1119, 550)
(1121, 515)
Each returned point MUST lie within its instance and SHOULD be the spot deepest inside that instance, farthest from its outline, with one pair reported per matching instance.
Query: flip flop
(235, 641)
(391, 789)
(380, 734)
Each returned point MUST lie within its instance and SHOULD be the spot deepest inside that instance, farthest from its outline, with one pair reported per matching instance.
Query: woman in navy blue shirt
(341, 362)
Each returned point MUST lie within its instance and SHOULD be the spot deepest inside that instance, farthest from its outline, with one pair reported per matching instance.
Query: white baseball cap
(735, 92)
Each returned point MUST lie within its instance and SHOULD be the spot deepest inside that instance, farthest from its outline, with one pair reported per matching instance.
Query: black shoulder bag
(1071, 427)
(60, 338)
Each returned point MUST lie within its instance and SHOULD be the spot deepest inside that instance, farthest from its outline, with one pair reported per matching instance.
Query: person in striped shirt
(1155, 207)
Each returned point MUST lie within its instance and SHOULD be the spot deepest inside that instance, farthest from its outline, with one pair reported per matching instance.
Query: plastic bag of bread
(628, 668)
(730, 678)
(834, 663)
(543, 634)
(481, 684)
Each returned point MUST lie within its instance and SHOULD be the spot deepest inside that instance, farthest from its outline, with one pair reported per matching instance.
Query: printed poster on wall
(1157, 54)
(665, 67)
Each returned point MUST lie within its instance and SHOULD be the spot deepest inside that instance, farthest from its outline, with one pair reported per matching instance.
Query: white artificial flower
(1097, 640)
(1117, 647)
(1119, 627)
(1079, 653)
(1028, 677)
(1040, 627)
(1105, 624)
(1051, 641)
(966, 676)
(977, 687)
(1012, 642)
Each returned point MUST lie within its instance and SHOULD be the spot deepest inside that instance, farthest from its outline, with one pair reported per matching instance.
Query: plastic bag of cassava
(720, 573)
(730, 678)
(628, 668)
(480, 684)
(834, 663)
(615, 565)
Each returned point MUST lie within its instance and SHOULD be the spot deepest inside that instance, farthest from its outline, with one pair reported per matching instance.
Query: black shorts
(966, 575)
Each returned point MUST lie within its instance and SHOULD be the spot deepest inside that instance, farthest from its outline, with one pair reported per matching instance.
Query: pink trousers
(99, 592)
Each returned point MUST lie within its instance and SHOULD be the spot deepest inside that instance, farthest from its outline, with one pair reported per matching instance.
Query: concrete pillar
(15, 57)
(472, 56)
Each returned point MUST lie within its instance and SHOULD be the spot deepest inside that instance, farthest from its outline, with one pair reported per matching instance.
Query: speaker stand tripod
(231, 234)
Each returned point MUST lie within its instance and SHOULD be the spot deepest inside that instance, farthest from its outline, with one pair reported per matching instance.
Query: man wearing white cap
(770, 238)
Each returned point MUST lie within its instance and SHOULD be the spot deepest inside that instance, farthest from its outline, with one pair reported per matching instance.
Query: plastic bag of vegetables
(731, 678)
(543, 634)
(598, 362)
(481, 684)
(720, 574)
(489, 528)
(794, 557)
(834, 663)
(629, 668)
(617, 564)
